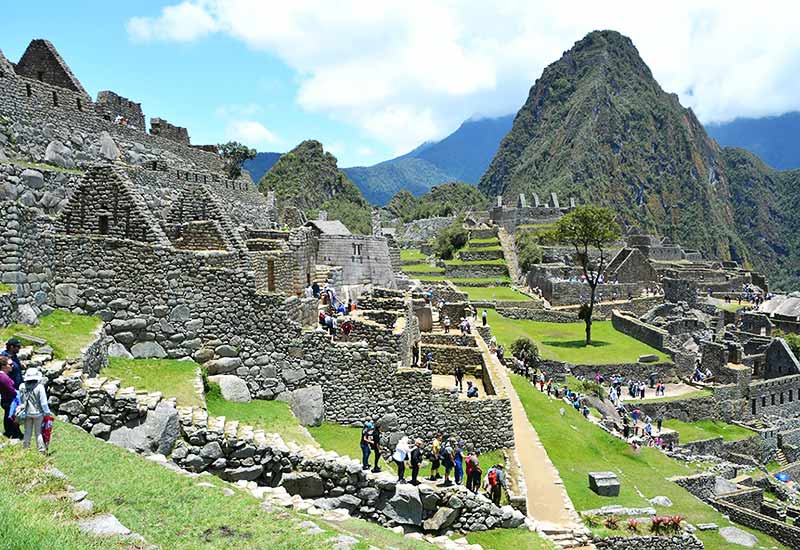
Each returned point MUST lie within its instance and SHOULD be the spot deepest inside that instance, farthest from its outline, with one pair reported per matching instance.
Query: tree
(235, 154)
(589, 227)
(451, 239)
(525, 346)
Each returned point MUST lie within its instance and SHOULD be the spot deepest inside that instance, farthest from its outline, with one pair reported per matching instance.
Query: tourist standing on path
(33, 403)
(494, 479)
(435, 451)
(459, 375)
(416, 461)
(446, 324)
(474, 472)
(659, 422)
(446, 457)
(12, 349)
(366, 444)
(376, 446)
(458, 462)
(484, 317)
(8, 391)
(401, 454)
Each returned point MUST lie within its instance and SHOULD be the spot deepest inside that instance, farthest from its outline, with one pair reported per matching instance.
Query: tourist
(315, 289)
(12, 349)
(549, 388)
(435, 459)
(33, 406)
(472, 389)
(501, 353)
(635, 414)
(495, 479)
(416, 461)
(626, 427)
(484, 317)
(659, 422)
(8, 391)
(458, 463)
(541, 382)
(474, 472)
(458, 373)
(446, 457)
(415, 354)
(428, 360)
(401, 454)
(366, 444)
(648, 429)
(376, 446)
(308, 292)
(446, 324)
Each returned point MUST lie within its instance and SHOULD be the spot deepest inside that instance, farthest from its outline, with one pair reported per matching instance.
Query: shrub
(611, 522)
(633, 525)
(204, 377)
(529, 252)
(451, 239)
(527, 346)
(665, 525)
(591, 520)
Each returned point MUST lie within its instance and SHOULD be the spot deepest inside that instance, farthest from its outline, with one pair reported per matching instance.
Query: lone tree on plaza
(589, 227)
(235, 154)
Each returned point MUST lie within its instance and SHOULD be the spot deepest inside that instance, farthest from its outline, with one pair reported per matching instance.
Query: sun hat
(14, 342)
(32, 374)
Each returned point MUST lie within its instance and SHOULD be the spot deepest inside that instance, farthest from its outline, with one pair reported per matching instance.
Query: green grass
(67, 333)
(345, 440)
(504, 539)
(565, 341)
(494, 293)
(707, 429)
(172, 378)
(488, 281)
(733, 306)
(691, 395)
(486, 240)
(172, 511)
(6, 289)
(456, 261)
(492, 248)
(422, 268)
(43, 166)
(409, 255)
(270, 416)
(577, 447)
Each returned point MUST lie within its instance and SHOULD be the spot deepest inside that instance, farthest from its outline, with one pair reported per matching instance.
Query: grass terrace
(422, 268)
(503, 539)
(565, 341)
(67, 333)
(486, 240)
(577, 447)
(494, 293)
(411, 255)
(167, 509)
(483, 248)
(707, 429)
(733, 306)
(455, 261)
(482, 281)
(170, 377)
(691, 395)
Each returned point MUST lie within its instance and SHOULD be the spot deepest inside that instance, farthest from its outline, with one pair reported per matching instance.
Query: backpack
(492, 477)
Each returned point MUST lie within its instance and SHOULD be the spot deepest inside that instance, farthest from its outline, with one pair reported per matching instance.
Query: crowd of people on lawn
(24, 400)
(446, 454)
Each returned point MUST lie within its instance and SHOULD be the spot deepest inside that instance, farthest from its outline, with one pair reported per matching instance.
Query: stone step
(216, 423)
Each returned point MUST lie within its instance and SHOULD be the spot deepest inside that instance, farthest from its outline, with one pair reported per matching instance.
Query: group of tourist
(122, 121)
(23, 398)
(448, 454)
(334, 317)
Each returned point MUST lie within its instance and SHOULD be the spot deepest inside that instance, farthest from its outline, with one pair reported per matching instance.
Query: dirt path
(546, 497)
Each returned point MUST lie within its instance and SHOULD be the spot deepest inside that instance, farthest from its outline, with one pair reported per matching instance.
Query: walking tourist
(12, 349)
(474, 472)
(495, 479)
(446, 324)
(659, 422)
(33, 408)
(416, 461)
(401, 454)
(435, 460)
(366, 444)
(484, 317)
(376, 446)
(8, 391)
(459, 376)
(458, 463)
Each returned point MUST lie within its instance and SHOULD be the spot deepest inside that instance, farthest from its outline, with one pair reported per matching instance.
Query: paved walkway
(546, 498)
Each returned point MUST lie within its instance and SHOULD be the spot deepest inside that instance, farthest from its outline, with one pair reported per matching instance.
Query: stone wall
(687, 410)
(162, 128)
(475, 270)
(780, 531)
(447, 358)
(110, 105)
(779, 396)
(363, 258)
(8, 308)
(652, 336)
(685, 541)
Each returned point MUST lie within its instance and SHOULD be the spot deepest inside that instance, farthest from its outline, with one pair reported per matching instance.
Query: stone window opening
(781, 398)
(40, 76)
(55, 99)
(791, 396)
(80, 104)
(271, 275)
(753, 406)
(772, 398)
(763, 400)
(28, 90)
(103, 223)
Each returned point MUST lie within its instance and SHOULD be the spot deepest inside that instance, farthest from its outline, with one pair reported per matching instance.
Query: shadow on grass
(574, 344)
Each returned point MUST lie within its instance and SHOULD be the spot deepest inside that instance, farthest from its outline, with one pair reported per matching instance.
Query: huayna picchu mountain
(597, 126)
(308, 178)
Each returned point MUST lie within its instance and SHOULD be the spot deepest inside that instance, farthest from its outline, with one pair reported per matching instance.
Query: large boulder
(148, 350)
(737, 536)
(308, 405)
(59, 154)
(405, 507)
(605, 484)
(442, 519)
(66, 294)
(157, 434)
(108, 149)
(305, 484)
(232, 388)
(119, 350)
(27, 315)
(223, 365)
(32, 178)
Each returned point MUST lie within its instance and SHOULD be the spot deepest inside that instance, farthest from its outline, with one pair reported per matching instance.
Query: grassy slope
(67, 333)
(505, 539)
(565, 341)
(172, 378)
(422, 268)
(498, 261)
(706, 429)
(271, 416)
(577, 447)
(172, 511)
(408, 255)
(494, 293)
(488, 281)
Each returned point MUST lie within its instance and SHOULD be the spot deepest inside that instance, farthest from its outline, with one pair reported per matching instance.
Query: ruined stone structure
(523, 213)
(160, 127)
(111, 105)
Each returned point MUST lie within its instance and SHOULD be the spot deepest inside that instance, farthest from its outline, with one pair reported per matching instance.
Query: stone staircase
(510, 254)
(322, 274)
(194, 418)
(568, 539)
(780, 457)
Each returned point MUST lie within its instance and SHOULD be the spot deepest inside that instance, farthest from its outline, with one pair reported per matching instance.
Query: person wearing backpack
(8, 393)
(446, 458)
(474, 472)
(32, 408)
(401, 454)
(435, 452)
(495, 478)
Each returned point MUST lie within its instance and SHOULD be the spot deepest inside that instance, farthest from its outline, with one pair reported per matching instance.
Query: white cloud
(364, 151)
(251, 133)
(410, 71)
(181, 23)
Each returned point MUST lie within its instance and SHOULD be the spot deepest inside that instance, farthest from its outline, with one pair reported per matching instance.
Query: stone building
(511, 217)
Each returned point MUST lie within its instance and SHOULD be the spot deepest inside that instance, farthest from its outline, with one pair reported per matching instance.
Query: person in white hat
(33, 408)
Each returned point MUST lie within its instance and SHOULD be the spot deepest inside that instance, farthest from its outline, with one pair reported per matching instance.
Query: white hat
(32, 374)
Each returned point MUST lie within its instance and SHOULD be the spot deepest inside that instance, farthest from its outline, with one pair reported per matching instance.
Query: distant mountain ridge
(776, 140)
(462, 156)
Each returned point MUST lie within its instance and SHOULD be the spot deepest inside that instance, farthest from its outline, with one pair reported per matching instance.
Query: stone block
(405, 506)
(308, 405)
(604, 484)
(232, 388)
(148, 350)
(305, 484)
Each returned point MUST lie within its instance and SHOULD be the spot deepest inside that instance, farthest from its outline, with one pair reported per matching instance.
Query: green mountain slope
(442, 200)
(597, 126)
(380, 182)
(308, 178)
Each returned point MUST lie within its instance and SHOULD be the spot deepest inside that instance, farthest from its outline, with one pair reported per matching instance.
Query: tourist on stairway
(401, 454)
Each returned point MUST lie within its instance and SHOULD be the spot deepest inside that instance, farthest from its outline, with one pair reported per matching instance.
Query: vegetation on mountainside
(448, 199)
(234, 154)
(381, 182)
(585, 228)
(767, 215)
(529, 252)
(67, 333)
(577, 447)
(792, 340)
(598, 127)
(308, 178)
(451, 239)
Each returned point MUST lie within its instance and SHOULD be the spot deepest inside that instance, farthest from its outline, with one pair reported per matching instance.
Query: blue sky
(374, 79)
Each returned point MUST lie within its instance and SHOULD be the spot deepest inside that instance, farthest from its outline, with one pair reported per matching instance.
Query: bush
(592, 521)
(529, 252)
(527, 346)
(451, 239)
(612, 523)
(665, 525)
(792, 340)
(633, 525)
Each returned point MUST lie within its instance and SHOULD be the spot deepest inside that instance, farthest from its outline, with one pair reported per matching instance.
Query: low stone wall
(684, 541)
(8, 308)
(452, 339)
(447, 358)
(640, 371)
(780, 531)
(686, 410)
(649, 334)
(475, 270)
(701, 486)
(541, 315)
(750, 498)
(480, 255)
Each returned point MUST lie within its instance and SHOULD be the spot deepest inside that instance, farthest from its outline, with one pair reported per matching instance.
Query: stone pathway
(510, 254)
